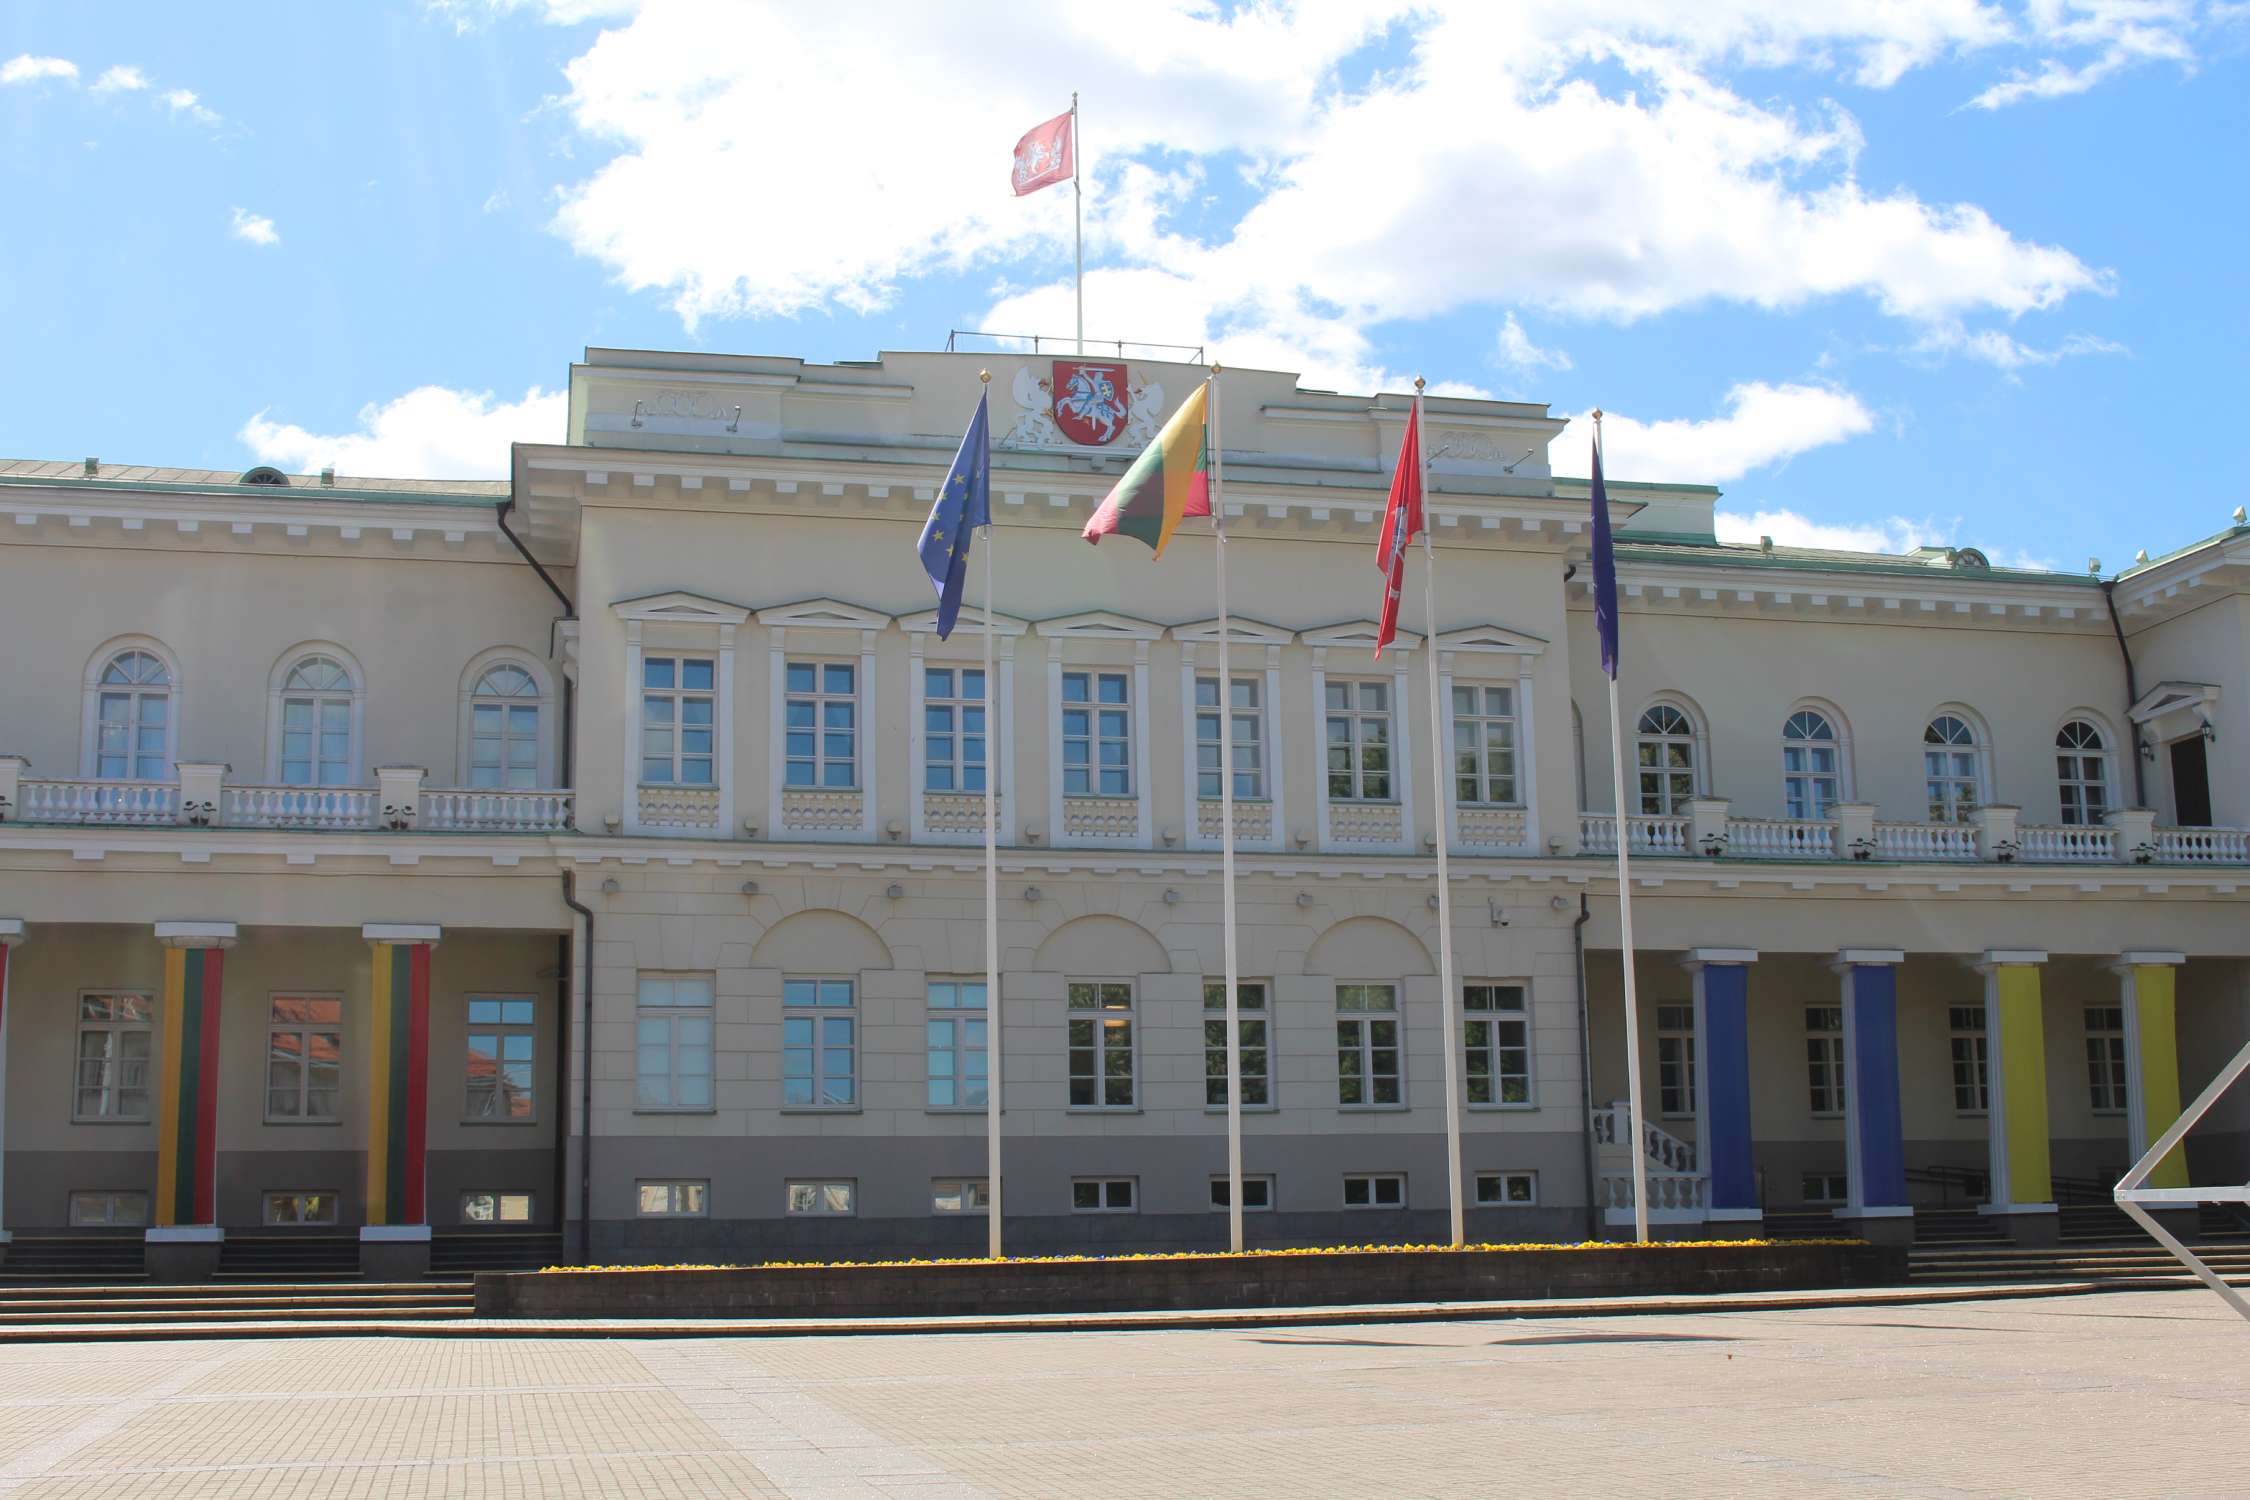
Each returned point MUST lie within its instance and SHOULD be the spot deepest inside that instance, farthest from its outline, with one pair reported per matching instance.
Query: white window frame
(305, 1031)
(1979, 779)
(1838, 741)
(1246, 1016)
(1492, 656)
(1221, 1187)
(500, 1198)
(111, 1201)
(1505, 1179)
(817, 1014)
(2108, 1069)
(1356, 643)
(1824, 1062)
(1496, 1017)
(677, 695)
(1105, 1189)
(957, 703)
(957, 1019)
(1671, 802)
(1684, 1059)
(973, 1195)
(1254, 652)
(278, 693)
(820, 1198)
(325, 1197)
(1835, 1188)
(1253, 740)
(1362, 1022)
(2070, 790)
(1970, 1043)
(1102, 1017)
(113, 1085)
(963, 649)
(822, 696)
(682, 1198)
(680, 624)
(1072, 645)
(542, 702)
(1096, 708)
(672, 1014)
(89, 741)
(1356, 716)
(1375, 1182)
(821, 630)
(501, 1032)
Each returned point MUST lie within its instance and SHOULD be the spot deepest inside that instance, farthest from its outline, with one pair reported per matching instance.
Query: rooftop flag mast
(1078, 223)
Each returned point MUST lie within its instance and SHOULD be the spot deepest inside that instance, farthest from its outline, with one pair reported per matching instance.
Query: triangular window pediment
(1356, 635)
(970, 618)
(1253, 632)
(1099, 625)
(680, 608)
(1491, 638)
(820, 614)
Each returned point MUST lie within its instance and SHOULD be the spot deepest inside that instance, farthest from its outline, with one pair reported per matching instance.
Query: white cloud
(121, 79)
(1790, 529)
(187, 102)
(2120, 33)
(496, 201)
(1519, 353)
(467, 15)
(24, 68)
(428, 433)
(1763, 425)
(2005, 353)
(256, 229)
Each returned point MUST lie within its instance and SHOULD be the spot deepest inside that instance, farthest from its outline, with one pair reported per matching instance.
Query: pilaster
(1874, 1138)
(1722, 1094)
(2022, 1183)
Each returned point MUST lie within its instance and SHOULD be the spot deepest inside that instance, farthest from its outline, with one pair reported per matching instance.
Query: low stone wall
(1184, 1284)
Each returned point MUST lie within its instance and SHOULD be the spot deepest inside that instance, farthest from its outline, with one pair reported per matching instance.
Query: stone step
(140, 1317)
(146, 1290)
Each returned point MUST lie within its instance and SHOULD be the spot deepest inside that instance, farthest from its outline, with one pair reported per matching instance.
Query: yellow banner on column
(2023, 1077)
(2158, 1098)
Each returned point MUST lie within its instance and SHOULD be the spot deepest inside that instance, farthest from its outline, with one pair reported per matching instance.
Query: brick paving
(2119, 1395)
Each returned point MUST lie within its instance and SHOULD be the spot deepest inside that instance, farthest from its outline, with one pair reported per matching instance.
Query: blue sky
(1887, 271)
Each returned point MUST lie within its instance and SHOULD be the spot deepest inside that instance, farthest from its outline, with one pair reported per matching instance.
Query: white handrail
(94, 800)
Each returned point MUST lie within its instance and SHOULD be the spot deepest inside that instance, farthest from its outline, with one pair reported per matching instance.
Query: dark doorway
(2191, 783)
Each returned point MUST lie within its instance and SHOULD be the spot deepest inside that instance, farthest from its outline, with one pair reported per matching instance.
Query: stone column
(1874, 1137)
(1722, 1093)
(184, 1236)
(394, 1242)
(2145, 984)
(2022, 1186)
(11, 933)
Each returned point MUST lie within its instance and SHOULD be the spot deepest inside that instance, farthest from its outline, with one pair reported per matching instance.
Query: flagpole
(1226, 843)
(992, 1026)
(1636, 1145)
(1078, 218)
(1443, 805)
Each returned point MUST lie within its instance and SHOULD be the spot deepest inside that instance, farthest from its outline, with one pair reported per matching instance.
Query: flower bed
(1187, 1281)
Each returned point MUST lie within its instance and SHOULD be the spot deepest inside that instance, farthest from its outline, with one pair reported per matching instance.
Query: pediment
(680, 608)
(819, 614)
(1252, 632)
(1357, 635)
(2172, 697)
(1099, 625)
(1491, 638)
(969, 619)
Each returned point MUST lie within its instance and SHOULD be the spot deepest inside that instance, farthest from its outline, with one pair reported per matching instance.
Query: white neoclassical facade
(391, 868)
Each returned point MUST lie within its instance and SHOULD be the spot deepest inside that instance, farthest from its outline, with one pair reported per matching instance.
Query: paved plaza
(2115, 1395)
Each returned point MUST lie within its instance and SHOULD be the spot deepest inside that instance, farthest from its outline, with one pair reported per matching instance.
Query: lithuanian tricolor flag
(1170, 481)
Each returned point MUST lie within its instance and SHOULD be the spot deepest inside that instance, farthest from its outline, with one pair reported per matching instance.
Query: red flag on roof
(1402, 518)
(1045, 155)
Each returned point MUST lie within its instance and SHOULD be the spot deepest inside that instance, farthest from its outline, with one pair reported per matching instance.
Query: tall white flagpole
(1226, 845)
(992, 1028)
(1078, 216)
(1448, 998)
(1637, 1145)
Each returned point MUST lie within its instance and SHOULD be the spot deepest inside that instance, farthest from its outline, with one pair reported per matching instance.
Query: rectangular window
(1507, 1189)
(300, 1208)
(1367, 1047)
(316, 738)
(820, 708)
(829, 1199)
(495, 1208)
(304, 1058)
(1097, 734)
(673, 1200)
(1971, 1090)
(960, 1195)
(113, 1057)
(1375, 1190)
(1675, 1060)
(819, 1044)
(673, 1043)
(1103, 1195)
(2105, 1058)
(1484, 746)
(1249, 737)
(1825, 1187)
(105, 1209)
(679, 718)
(1496, 1036)
(1250, 1023)
(959, 1059)
(1359, 741)
(1257, 1194)
(1101, 1044)
(953, 729)
(1824, 1058)
(503, 1038)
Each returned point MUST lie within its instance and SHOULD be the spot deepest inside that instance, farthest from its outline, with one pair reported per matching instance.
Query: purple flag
(1605, 570)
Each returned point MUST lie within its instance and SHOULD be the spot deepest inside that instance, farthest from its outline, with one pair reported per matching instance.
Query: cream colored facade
(723, 542)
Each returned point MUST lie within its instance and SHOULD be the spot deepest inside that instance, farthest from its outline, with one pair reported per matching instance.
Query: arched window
(133, 718)
(1812, 764)
(1666, 755)
(504, 728)
(2082, 769)
(316, 724)
(1952, 768)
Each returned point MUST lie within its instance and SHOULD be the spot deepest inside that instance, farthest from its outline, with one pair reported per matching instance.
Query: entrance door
(2191, 783)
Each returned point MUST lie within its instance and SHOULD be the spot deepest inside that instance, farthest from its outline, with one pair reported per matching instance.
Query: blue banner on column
(1873, 1048)
(1726, 1071)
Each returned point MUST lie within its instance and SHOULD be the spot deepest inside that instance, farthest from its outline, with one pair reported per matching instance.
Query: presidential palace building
(591, 861)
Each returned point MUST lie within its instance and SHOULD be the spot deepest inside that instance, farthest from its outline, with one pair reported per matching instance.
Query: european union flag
(964, 502)
(1605, 571)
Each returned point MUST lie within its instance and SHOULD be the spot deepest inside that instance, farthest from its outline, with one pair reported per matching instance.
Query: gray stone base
(1751, 1228)
(392, 1257)
(2183, 1224)
(2033, 1231)
(1879, 1229)
(176, 1255)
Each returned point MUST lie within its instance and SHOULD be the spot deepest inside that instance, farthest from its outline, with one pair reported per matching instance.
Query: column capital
(402, 932)
(1697, 957)
(2006, 958)
(2145, 959)
(1853, 958)
(196, 934)
(12, 932)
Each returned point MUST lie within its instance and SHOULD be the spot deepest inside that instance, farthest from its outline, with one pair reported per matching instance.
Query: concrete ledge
(394, 1252)
(182, 1252)
(1196, 1282)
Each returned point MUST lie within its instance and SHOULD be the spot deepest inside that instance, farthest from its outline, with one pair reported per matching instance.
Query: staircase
(1677, 1192)
(73, 1257)
(2099, 1244)
(226, 1309)
(464, 1254)
(273, 1258)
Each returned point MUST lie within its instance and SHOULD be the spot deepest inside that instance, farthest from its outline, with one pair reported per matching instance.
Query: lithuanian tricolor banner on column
(1169, 482)
(187, 1134)
(398, 1123)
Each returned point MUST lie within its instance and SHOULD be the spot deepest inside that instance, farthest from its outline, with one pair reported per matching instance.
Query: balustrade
(98, 802)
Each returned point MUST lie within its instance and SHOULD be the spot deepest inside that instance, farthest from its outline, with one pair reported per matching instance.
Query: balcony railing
(202, 798)
(1597, 834)
(1992, 835)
